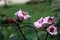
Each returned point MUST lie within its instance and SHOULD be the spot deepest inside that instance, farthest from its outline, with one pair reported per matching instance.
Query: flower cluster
(20, 16)
(47, 20)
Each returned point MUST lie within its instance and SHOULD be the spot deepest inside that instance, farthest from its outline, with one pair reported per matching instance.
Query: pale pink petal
(46, 19)
(27, 17)
(22, 14)
(41, 20)
(19, 13)
(54, 32)
(38, 25)
(49, 20)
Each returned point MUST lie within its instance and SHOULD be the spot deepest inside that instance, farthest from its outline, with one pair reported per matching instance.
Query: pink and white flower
(49, 20)
(22, 14)
(39, 24)
(52, 30)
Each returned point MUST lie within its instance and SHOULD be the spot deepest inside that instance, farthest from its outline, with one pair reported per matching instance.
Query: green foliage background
(36, 11)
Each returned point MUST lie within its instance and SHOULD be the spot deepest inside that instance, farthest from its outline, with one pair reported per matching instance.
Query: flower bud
(10, 20)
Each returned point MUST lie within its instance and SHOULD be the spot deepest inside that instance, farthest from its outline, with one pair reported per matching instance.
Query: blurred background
(35, 8)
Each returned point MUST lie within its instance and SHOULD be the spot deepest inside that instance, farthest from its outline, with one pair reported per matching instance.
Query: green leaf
(1, 36)
(58, 28)
(30, 33)
(16, 36)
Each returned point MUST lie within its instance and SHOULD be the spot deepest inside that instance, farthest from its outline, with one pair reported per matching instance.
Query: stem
(21, 31)
(46, 36)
